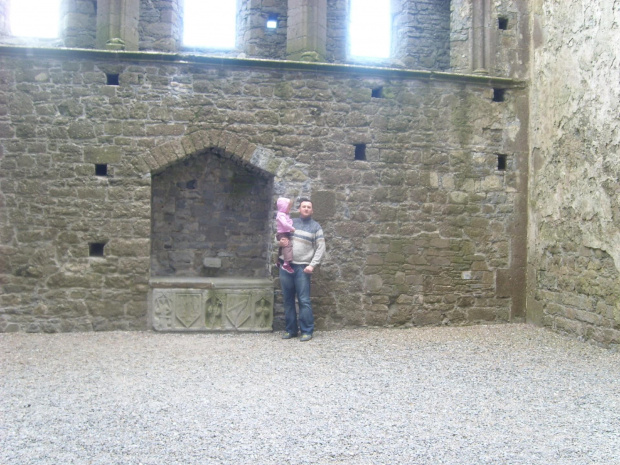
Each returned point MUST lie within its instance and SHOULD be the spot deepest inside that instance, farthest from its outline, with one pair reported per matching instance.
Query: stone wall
(420, 222)
(507, 29)
(79, 23)
(574, 237)
(337, 30)
(421, 36)
(510, 44)
(254, 38)
(209, 208)
(161, 25)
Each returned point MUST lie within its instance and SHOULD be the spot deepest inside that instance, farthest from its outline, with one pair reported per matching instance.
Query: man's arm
(319, 251)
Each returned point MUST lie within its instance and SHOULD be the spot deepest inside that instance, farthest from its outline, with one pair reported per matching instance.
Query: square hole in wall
(101, 169)
(502, 23)
(112, 79)
(501, 162)
(499, 95)
(377, 92)
(360, 152)
(95, 249)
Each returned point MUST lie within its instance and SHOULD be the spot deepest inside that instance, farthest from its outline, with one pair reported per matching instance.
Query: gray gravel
(506, 394)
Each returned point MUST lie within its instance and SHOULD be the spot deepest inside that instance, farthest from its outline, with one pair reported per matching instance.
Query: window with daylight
(272, 22)
(35, 18)
(210, 23)
(369, 29)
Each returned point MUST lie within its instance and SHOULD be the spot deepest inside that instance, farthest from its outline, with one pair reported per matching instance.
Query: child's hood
(282, 204)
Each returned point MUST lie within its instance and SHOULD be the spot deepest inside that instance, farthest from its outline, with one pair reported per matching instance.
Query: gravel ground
(505, 394)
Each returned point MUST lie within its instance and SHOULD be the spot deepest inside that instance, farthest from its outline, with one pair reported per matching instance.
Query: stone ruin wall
(421, 232)
(425, 230)
(507, 32)
(407, 201)
(574, 214)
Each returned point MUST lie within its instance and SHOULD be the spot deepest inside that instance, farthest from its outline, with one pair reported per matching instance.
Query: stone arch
(225, 143)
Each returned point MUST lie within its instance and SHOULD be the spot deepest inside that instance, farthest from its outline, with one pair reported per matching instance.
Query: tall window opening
(35, 18)
(209, 23)
(369, 28)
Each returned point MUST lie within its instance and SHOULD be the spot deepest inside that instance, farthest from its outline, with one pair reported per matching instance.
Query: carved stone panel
(211, 304)
(188, 309)
(214, 311)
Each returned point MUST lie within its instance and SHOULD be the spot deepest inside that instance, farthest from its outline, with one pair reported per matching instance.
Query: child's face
(290, 205)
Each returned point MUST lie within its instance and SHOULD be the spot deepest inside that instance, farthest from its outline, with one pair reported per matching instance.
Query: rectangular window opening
(502, 23)
(272, 22)
(499, 95)
(95, 249)
(101, 170)
(501, 162)
(360, 152)
(112, 79)
(210, 24)
(34, 18)
(370, 29)
(377, 92)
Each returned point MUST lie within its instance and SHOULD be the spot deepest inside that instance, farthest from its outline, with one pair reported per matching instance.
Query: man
(308, 250)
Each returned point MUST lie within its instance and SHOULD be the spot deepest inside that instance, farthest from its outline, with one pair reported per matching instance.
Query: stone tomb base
(211, 304)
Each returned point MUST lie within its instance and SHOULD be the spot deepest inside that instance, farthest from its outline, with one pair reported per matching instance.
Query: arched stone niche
(210, 234)
(210, 218)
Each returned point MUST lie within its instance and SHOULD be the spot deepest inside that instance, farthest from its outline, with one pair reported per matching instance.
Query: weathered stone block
(211, 304)
(105, 154)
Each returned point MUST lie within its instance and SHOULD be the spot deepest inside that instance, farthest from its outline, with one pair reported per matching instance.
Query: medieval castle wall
(419, 231)
(574, 218)
(118, 166)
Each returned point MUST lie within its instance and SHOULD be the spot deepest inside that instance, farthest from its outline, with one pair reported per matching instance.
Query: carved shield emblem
(187, 308)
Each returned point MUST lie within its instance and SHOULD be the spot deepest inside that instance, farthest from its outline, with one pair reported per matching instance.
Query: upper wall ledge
(32, 52)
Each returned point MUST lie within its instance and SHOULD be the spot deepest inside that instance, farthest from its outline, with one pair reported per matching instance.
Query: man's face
(305, 209)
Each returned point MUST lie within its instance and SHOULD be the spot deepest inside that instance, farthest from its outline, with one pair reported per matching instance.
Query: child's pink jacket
(284, 223)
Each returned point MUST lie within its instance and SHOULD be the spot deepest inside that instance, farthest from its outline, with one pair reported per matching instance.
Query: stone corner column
(117, 24)
(306, 38)
(481, 44)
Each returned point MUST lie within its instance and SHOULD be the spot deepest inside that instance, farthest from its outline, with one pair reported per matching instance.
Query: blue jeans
(297, 283)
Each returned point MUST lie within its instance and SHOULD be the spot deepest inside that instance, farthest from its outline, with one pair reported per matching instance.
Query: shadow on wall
(210, 217)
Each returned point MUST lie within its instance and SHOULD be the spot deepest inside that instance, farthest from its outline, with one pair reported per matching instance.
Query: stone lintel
(105, 154)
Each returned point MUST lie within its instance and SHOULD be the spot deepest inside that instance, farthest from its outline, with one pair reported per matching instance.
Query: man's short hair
(304, 199)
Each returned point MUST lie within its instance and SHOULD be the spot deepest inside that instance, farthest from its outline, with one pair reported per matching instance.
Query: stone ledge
(281, 65)
(209, 283)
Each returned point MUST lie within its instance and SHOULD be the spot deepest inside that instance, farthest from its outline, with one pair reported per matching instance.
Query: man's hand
(309, 269)
(283, 242)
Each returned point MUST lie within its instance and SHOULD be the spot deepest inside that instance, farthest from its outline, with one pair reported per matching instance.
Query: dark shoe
(286, 267)
(305, 337)
(288, 336)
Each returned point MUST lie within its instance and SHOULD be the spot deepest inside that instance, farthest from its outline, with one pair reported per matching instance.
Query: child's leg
(287, 253)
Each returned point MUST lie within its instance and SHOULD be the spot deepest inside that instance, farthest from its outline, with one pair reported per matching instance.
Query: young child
(284, 228)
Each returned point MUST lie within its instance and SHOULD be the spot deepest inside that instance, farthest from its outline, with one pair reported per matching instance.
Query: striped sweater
(308, 242)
